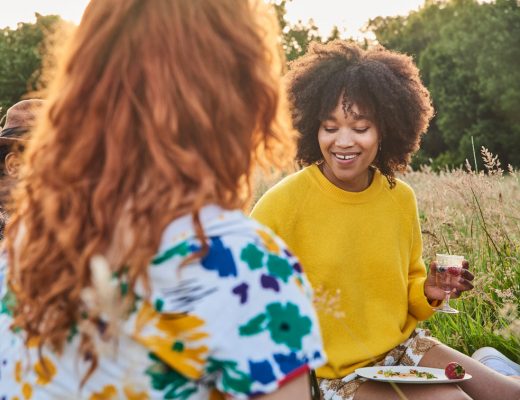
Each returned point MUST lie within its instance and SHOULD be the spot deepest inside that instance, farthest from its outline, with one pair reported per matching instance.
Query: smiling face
(348, 142)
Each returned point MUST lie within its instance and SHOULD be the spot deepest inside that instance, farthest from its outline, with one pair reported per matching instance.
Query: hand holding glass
(449, 270)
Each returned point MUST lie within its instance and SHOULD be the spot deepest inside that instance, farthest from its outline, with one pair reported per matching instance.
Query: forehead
(346, 109)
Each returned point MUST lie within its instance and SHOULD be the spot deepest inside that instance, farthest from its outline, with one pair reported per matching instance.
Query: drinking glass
(449, 269)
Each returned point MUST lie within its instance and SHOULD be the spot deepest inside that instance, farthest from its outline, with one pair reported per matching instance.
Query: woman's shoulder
(236, 250)
(403, 191)
(240, 263)
(230, 227)
(232, 297)
(278, 202)
(232, 241)
(295, 182)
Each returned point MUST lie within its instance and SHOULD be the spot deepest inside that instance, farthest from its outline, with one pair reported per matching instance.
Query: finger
(467, 275)
(455, 293)
(433, 266)
(463, 286)
(465, 264)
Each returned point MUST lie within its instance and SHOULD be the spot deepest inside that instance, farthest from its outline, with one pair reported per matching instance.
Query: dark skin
(433, 292)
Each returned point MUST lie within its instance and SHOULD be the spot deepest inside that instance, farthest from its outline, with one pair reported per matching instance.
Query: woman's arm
(297, 388)
(418, 303)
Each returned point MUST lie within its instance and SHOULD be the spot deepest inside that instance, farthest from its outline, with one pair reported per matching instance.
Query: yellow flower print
(33, 342)
(45, 371)
(131, 394)
(269, 242)
(26, 388)
(18, 372)
(109, 392)
(27, 391)
(173, 342)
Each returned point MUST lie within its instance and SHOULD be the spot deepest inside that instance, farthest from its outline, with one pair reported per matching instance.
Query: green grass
(476, 215)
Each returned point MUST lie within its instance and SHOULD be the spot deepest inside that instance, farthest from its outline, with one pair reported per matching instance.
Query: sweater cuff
(418, 304)
(435, 303)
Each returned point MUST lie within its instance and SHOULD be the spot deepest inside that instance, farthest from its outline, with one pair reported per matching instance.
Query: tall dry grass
(476, 214)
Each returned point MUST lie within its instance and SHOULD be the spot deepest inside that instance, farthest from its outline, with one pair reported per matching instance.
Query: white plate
(372, 373)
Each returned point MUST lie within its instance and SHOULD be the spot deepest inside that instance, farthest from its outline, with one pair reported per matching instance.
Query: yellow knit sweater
(362, 254)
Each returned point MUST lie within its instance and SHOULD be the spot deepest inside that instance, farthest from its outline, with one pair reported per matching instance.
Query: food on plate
(413, 373)
(454, 370)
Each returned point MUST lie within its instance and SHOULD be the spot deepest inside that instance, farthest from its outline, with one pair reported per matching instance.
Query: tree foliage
(22, 51)
(468, 53)
(297, 37)
(469, 56)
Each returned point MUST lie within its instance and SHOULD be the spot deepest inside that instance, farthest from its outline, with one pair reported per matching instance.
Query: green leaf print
(178, 346)
(284, 322)
(253, 256)
(279, 267)
(165, 379)
(233, 380)
(182, 249)
(253, 326)
(123, 288)
(159, 304)
(8, 304)
(286, 325)
(72, 332)
(180, 393)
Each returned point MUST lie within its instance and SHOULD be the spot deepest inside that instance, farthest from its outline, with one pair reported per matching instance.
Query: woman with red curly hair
(355, 226)
(132, 272)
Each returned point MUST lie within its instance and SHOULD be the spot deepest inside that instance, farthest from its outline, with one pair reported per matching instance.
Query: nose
(344, 138)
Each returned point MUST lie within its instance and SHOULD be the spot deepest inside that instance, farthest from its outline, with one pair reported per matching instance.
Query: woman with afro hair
(355, 226)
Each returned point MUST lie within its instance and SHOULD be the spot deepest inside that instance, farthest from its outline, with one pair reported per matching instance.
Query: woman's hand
(433, 292)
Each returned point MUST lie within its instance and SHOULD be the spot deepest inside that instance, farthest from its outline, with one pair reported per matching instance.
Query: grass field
(475, 214)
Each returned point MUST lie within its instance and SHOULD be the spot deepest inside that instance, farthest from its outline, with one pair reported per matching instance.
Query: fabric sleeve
(240, 319)
(269, 209)
(418, 305)
(271, 332)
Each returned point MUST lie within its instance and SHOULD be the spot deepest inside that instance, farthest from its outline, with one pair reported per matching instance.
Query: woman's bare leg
(384, 391)
(486, 384)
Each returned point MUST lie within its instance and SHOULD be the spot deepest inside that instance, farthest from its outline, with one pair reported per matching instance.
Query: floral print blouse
(237, 322)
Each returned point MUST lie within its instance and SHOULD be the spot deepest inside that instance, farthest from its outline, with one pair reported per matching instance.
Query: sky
(348, 15)
(14, 11)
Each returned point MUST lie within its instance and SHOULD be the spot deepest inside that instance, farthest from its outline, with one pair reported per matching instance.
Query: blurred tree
(468, 54)
(22, 51)
(297, 37)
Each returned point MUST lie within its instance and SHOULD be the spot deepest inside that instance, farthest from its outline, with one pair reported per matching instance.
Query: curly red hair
(159, 108)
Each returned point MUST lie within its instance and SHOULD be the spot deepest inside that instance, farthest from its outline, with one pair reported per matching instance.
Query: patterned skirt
(408, 353)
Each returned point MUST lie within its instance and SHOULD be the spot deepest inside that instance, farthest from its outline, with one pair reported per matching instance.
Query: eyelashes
(357, 130)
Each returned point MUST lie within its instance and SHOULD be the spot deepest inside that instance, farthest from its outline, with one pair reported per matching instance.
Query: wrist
(432, 296)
